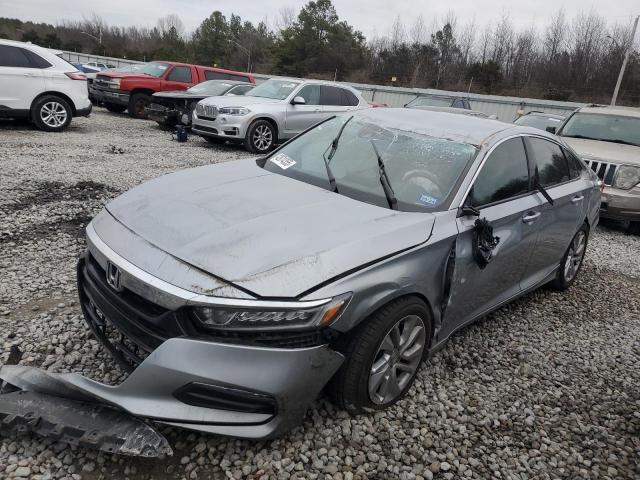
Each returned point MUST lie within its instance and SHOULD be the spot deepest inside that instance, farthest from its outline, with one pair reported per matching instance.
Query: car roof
(452, 126)
(611, 110)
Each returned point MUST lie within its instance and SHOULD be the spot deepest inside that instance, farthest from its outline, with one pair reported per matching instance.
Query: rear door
(502, 194)
(180, 77)
(21, 79)
(559, 222)
(299, 117)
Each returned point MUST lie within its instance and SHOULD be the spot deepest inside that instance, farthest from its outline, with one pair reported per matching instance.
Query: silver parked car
(608, 140)
(235, 293)
(275, 110)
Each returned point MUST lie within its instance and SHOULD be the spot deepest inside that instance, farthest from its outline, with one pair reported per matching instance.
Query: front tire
(115, 108)
(383, 357)
(51, 113)
(572, 260)
(137, 103)
(261, 137)
(634, 228)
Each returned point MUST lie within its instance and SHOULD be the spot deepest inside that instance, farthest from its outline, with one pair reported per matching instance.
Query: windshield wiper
(332, 152)
(332, 179)
(334, 142)
(384, 180)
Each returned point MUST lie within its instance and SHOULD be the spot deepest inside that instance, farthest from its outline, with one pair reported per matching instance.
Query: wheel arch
(146, 91)
(394, 297)
(269, 119)
(54, 93)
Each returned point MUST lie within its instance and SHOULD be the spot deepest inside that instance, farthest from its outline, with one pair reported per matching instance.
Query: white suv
(37, 83)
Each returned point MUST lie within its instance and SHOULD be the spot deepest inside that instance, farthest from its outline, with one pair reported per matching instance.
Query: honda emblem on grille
(113, 276)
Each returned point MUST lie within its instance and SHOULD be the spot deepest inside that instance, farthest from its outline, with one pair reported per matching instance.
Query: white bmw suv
(37, 83)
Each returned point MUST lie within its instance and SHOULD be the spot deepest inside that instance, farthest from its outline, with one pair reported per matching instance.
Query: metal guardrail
(505, 108)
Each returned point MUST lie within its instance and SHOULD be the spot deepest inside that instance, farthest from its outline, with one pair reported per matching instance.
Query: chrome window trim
(183, 296)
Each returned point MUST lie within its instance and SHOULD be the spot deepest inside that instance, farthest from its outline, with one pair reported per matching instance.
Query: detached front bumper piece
(250, 392)
(81, 423)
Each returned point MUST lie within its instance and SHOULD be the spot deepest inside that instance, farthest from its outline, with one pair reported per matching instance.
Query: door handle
(28, 74)
(530, 217)
(577, 199)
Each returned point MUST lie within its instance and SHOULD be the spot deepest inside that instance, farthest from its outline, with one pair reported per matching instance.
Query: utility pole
(624, 62)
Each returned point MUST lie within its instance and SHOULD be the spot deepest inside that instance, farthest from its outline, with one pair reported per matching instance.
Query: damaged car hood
(266, 233)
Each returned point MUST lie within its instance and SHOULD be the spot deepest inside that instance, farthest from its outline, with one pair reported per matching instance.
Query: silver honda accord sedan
(235, 293)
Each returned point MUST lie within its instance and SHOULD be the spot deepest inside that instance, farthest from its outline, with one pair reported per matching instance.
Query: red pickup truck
(132, 90)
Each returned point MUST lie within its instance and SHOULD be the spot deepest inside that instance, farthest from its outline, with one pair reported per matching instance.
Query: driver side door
(502, 194)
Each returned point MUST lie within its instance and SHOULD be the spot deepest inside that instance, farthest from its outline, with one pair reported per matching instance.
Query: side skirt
(440, 344)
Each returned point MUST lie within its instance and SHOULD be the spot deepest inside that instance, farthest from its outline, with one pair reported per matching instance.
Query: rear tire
(51, 113)
(137, 103)
(261, 137)
(572, 260)
(115, 108)
(381, 362)
(634, 228)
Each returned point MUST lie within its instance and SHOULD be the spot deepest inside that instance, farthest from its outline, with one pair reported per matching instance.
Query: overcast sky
(368, 16)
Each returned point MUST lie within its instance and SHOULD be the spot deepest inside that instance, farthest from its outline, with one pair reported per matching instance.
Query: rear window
(550, 164)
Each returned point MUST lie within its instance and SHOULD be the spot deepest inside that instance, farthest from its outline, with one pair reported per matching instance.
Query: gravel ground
(547, 387)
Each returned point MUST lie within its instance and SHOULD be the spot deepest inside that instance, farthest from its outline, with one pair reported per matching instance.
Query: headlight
(115, 83)
(233, 111)
(229, 318)
(628, 176)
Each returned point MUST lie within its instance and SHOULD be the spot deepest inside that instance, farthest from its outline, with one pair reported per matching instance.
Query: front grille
(129, 326)
(207, 111)
(605, 171)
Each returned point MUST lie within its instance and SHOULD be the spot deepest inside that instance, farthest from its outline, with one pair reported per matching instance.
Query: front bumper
(243, 382)
(223, 126)
(118, 97)
(167, 359)
(620, 204)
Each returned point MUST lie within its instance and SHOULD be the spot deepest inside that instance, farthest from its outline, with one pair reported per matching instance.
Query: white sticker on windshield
(283, 161)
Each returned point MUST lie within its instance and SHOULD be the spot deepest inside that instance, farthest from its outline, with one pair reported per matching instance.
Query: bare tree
(286, 17)
(169, 23)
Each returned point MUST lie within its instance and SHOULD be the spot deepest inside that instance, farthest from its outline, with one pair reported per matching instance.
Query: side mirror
(551, 129)
(298, 100)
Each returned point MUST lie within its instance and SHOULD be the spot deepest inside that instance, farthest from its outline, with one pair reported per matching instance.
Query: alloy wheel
(262, 137)
(53, 114)
(397, 359)
(575, 256)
